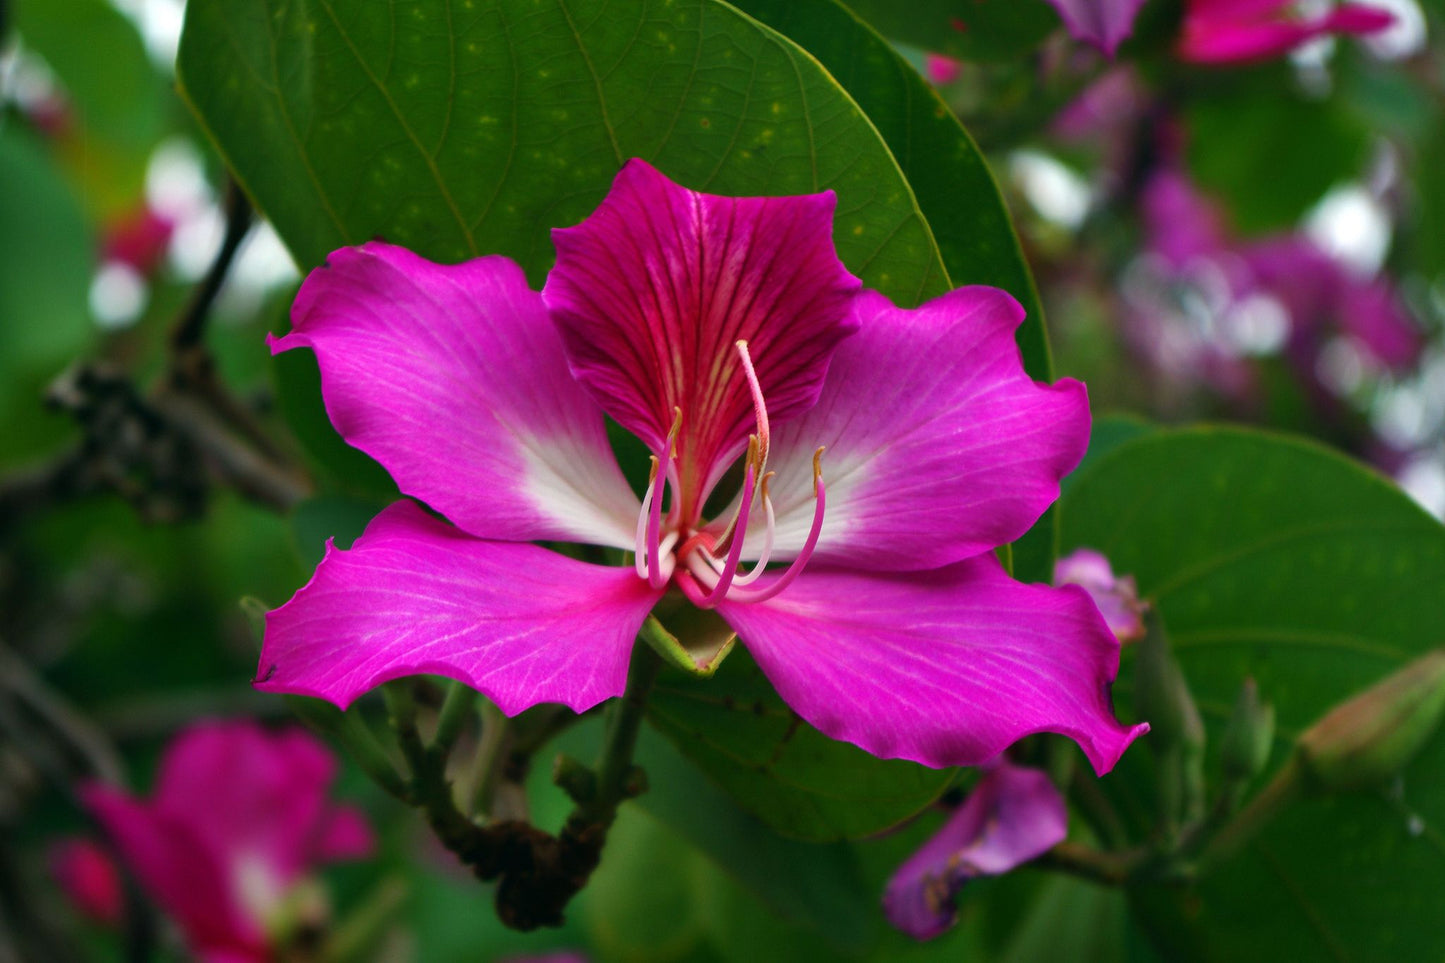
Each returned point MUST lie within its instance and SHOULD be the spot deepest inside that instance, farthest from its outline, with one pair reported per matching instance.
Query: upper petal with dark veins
(655, 288)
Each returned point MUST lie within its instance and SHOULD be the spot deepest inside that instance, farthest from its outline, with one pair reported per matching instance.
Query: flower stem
(617, 778)
(455, 708)
(1111, 869)
(1282, 790)
(497, 739)
(429, 789)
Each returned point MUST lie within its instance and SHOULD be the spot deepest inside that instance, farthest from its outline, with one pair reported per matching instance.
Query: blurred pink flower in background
(237, 822)
(138, 239)
(940, 69)
(85, 872)
(1201, 301)
(1103, 23)
(1014, 814)
(1235, 31)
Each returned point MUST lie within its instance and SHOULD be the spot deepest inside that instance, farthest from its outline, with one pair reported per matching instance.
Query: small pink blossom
(85, 872)
(1013, 815)
(1236, 31)
(942, 70)
(880, 454)
(1103, 23)
(238, 819)
(138, 239)
(1117, 597)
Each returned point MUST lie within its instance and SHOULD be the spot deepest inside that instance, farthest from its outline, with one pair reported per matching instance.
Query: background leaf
(963, 29)
(948, 174)
(1277, 559)
(778, 767)
(478, 130)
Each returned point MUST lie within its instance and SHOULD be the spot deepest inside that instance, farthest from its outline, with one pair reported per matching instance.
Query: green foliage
(981, 30)
(1268, 152)
(950, 178)
(1274, 558)
(780, 768)
(478, 133)
(45, 265)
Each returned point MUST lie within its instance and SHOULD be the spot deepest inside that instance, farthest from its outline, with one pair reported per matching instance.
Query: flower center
(706, 564)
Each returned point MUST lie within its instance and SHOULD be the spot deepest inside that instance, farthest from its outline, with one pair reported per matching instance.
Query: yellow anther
(818, 468)
(673, 431)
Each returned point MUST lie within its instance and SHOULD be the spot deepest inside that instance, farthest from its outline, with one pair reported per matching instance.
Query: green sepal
(697, 642)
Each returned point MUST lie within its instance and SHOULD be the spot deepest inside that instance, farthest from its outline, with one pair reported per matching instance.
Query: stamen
(766, 553)
(793, 570)
(644, 517)
(760, 407)
(753, 462)
(730, 568)
(650, 537)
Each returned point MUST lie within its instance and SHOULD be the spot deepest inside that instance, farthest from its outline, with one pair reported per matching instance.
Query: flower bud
(1248, 736)
(1116, 597)
(1367, 739)
(1162, 696)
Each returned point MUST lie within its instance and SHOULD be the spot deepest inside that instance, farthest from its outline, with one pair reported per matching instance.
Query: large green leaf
(45, 268)
(778, 767)
(963, 29)
(953, 184)
(477, 127)
(817, 887)
(1277, 559)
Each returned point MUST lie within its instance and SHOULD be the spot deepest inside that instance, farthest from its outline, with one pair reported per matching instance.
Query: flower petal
(453, 378)
(89, 877)
(945, 667)
(1103, 23)
(345, 834)
(275, 785)
(180, 870)
(415, 595)
(939, 446)
(1230, 31)
(652, 291)
(1013, 815)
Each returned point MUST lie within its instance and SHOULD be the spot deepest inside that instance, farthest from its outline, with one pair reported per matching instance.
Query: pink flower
(1103, 23)
(1013, 815)
(238, 819)
(1116, 597)
(714, 329)
(138, 239)
(942, 70)
(90, 879)
(1233, 31)
(1205, 293)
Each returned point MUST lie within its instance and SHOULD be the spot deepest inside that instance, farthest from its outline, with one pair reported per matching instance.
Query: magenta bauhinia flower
(1233, 31)
(1013, 815)
(875, 455)
(1103, 23)
(238, 819)
(1117, 596)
